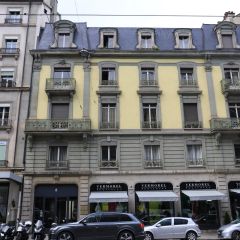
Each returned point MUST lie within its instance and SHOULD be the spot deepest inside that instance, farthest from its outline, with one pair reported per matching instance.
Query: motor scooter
(7, 232)
(23, 230)
(39, 231)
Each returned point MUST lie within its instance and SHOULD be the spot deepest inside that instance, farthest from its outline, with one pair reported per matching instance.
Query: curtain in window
(110, 42)
(112, 115)
(61, 73)
(53, 154)
(152, 153)
(104, 113)
(63, 153)
(156, 152)
(194, 152)
(111, 74)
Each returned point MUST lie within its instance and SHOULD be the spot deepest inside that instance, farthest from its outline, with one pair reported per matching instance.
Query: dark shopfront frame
(4, 193)
(55, 203)
(105, 197)
(151, 211)
(234, 196)
(204, 212)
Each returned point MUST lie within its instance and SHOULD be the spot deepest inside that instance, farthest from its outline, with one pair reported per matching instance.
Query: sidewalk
(209, 235)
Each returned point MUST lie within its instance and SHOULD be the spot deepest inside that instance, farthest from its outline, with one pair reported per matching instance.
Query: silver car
(230, 231)
(173, 227)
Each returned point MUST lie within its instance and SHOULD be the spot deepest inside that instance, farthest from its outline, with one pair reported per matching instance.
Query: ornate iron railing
(7, 84)
(13, 20)
(61, 84)
(8, 51)
(192, 124)
(150, 82)
(195, 162)
(230, 85)
(57, 164)
(109, 82)
(151, 125)
(72, 125)
(188, 83)
(152, 163)
(109, 164)
(5, 124)
(108, 125)
(224, 123)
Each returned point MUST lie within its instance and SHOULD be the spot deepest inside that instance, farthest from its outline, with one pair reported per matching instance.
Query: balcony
(153, 163)
(109, 125)
(7, 84)
(231, 125)
(150, 82)
(109, 83)
(151, 125)
(9, 52)
(195, 162)
(3, 163)
(57, 125)
(60, 86)
(12, 20)
(5, 124)
(230, 86)
(192, 124)
(109, 164)
(189, 83)
(63, 164)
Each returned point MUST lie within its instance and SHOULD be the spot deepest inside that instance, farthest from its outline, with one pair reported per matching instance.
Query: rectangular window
(152, 152)
(108, 41)
(60, 111)
(237, 152)
(108, 76)
(227, 41)
(62, 73)
(232, 74)
(14, 17)
(191, 115)
(108, 116)
(146, 41)
(234, 110)
(183, 41)
(63, 40)
(4, 116)
(109, 156)
(150, 115)
(147, 76)
(11, 45)
(7, 79)
(187, 76)
(194, 155)
(57, 156)
(3, 148)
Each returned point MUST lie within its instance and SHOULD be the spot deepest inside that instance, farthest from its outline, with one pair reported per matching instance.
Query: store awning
(204, 195)
(120, 196)
(162, 196)
(235, 190)
(10, 176)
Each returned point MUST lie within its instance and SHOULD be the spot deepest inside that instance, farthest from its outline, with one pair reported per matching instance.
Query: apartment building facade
(134, 119)
(20, 23)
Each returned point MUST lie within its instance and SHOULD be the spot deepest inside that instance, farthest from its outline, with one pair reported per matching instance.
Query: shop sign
(153, 186)
(234, 185)
(108, 187)
(197, 185)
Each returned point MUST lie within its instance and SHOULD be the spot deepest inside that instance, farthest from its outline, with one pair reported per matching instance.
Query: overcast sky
(147, 7)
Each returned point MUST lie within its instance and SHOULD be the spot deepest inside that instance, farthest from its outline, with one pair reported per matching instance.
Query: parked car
(101, 226)
(230, 231)
(173, 227)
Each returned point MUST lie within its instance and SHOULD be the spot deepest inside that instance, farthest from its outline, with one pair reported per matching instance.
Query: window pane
(108, 41)
(113, 153)
(3, 152)
(61, 73)
(63, 153)
(237, 151)
(156, 152)
(105, 153)
(63, 39)
(53, 154)
(183, 41)
(194, 152)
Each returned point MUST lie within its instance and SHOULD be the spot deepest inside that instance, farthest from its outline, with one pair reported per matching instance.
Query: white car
(230, 231)
(173, 227)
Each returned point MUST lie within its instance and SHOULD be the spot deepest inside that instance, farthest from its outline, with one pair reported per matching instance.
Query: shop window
(57, 156)
(108, 76)
(4, 116)
(109, 156)
(146, 39)
(3, 149)
(194, 155)
(108, 113)
(152, 156)
(237, 153)
(108, 38)
(191, 119)
(183, 38)
(7, 78)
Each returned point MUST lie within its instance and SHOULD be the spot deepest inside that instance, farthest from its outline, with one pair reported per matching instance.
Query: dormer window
(146, 39)
(226, 35)
(183, 38)
(108, 38)
(64, 34)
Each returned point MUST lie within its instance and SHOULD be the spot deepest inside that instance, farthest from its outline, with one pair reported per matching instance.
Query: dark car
(101, 226)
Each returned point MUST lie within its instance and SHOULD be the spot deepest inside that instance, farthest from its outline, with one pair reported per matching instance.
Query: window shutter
(227, 41)
(190, 112)
(60, 111)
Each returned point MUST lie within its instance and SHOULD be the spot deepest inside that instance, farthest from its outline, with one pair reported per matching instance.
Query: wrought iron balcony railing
(9, 52)
(199, 162)
(151, 125)
(152, 163)
(150, 82)
(61, 84)
(5, 124)
(13, 20)
(109, 83)
(7, 84)
(188, 83)
(71, 125)
(109, 164)
(192, 124)
(230, 85)
(63, 164)
(224, 124)
(3, 163)
(109, 125)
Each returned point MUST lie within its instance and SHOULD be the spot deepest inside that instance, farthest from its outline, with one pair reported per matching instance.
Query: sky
(147, 7)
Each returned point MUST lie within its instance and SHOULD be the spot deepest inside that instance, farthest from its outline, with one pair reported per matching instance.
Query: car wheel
(65, 236)
(191, 236)
(236, 235)
(148, 236)
(125, 235)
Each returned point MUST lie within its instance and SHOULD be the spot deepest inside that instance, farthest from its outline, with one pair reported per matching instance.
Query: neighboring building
(141, 120)
(19, 31)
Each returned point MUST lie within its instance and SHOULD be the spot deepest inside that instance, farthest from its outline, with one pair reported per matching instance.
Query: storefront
(55, 203)
(108, 197)
(154, 201)
(4, 188)
(234, 195)
(200, 201)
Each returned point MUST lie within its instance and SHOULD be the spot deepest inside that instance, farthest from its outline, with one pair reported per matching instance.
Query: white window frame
(2, 120)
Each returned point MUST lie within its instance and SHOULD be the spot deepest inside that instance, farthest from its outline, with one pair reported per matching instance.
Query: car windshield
(236, 221)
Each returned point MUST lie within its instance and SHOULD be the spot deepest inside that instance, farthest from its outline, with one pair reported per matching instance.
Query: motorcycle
(7, 232)
(39, 231)
(23, 230)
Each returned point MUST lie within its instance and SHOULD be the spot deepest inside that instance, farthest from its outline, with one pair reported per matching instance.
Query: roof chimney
(229, 16)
